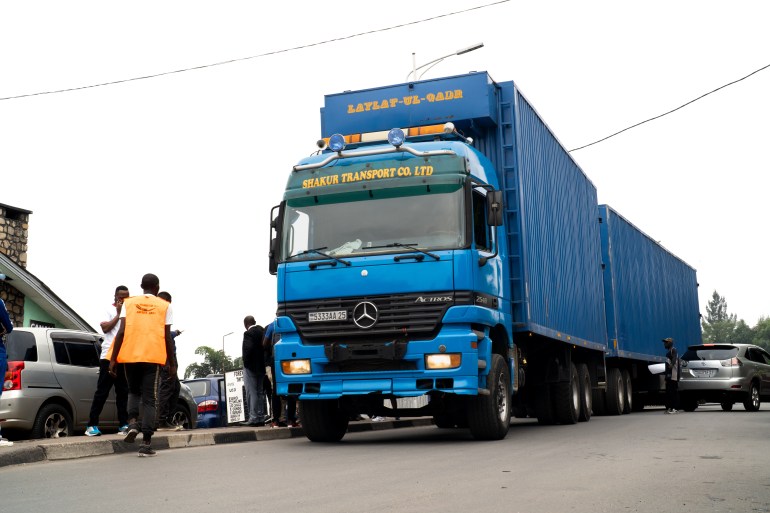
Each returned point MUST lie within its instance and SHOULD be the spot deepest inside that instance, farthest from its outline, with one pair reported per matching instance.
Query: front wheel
(489, 416)
(323, 420)
(752, 401)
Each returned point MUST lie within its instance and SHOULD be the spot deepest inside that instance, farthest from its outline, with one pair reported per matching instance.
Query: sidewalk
(81, 446)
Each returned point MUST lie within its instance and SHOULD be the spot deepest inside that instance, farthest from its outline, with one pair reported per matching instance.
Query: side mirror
(275, 237)
(495, 208)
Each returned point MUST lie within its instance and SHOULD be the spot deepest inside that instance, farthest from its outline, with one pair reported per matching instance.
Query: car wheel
(180, 417)
(727, 405)
(52, 421)
(689, 404)
(752, 401)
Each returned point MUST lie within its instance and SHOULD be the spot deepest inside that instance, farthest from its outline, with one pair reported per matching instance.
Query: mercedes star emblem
(365, 315)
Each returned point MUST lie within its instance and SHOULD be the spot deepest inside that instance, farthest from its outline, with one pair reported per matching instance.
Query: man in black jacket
(254, 371)
(673, 370)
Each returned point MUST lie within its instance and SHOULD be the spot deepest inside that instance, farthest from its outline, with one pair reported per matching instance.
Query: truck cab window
(481, 230)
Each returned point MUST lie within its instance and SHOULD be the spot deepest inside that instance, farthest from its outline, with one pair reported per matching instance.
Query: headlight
(295, 366)
(442, 361)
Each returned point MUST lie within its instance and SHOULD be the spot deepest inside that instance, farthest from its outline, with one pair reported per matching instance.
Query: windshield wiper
(318, 251)
(410, 245)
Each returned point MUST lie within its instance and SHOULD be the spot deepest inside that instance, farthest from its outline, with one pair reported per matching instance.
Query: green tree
(719, 325)
(762, 333)
(214, 362)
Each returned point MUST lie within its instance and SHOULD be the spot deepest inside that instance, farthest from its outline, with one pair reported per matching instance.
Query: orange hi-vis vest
(144, 336)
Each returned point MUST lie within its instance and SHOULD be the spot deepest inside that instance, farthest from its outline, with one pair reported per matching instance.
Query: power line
(672, 110)
(275, 52)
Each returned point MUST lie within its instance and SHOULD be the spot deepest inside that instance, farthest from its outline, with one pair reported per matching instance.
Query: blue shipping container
(650, 293)
(554, 240)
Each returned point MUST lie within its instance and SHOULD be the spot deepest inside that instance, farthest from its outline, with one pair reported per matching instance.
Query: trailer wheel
(615, 392)
(489, 416)
(586, 394)
(629, 391)
(567, 398)
(323, 420)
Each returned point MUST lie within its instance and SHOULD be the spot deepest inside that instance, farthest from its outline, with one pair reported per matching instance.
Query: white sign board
(234, 396)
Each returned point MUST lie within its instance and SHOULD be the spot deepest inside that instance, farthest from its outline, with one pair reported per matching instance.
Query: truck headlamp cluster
(443, 361)
(295, 366)
(396, 137)
(337, 142)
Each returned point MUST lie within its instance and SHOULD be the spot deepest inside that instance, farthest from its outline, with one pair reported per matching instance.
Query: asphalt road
(706, 461)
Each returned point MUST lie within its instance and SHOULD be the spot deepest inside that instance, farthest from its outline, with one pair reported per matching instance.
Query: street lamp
(415, 67)
(224, 355)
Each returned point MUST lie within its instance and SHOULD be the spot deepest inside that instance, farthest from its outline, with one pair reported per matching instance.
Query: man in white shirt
(106, 381)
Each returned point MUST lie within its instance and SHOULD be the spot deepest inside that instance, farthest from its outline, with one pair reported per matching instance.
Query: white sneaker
(4, 442)
(377, 418)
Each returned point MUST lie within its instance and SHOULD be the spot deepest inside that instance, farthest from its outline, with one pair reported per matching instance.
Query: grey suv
(50, 383)
(725, 374)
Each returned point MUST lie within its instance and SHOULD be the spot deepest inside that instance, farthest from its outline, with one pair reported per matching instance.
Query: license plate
(334, 315)
(703, 373)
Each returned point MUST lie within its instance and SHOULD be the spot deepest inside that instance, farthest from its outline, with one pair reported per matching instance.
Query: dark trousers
(672, 395)
(289, 413)
(103, 387)
(168, 394)
(143, 381)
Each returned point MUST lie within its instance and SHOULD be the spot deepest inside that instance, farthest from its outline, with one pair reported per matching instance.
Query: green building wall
(36, 316)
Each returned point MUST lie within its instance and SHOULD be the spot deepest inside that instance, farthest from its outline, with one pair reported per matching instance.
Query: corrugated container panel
(559, 235)
(650, 293)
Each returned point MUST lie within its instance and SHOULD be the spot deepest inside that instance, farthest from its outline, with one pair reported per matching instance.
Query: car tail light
(732, 362)
(207, 406)
(12, 379)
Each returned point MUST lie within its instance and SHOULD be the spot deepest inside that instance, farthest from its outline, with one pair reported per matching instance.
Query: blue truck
(442, 255)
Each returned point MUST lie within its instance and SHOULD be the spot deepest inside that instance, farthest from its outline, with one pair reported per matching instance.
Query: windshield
(339, 225)
(710, 353)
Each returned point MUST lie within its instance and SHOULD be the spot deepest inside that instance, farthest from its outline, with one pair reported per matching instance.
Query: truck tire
(489, 416)
(52, 421)
(567, 398)
(323, 420)
(586, 393)
(752, 402)
(615, 393)
(628, 391)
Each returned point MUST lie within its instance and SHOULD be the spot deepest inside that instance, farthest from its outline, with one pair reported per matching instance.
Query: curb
(33, 451)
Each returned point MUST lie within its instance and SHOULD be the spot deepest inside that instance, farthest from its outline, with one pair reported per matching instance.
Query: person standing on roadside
(144, 345)
(672, 373)
(169, 388)
(284, 411)
(106, 381)
(254, 371)
(5, 327)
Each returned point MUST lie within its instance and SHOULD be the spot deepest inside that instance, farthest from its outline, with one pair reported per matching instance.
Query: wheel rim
(501, 398)
(55, 426)
(179, 419)
(755, 397)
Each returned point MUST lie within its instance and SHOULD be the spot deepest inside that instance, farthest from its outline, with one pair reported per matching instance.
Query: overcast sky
(176, 175)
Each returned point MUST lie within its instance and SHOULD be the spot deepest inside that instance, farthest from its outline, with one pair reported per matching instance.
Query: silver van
(50, 384)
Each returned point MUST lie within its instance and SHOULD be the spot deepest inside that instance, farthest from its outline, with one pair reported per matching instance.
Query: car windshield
(383, 221)
(710, 353)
